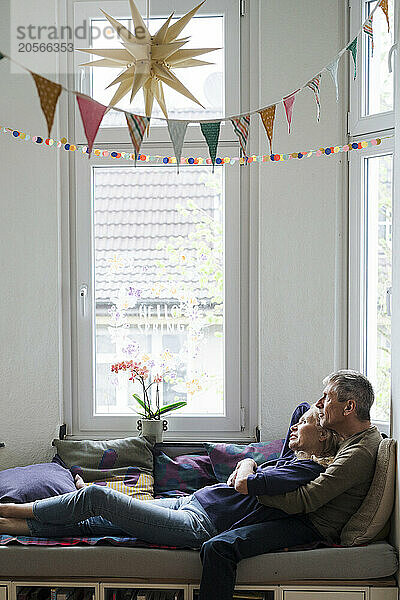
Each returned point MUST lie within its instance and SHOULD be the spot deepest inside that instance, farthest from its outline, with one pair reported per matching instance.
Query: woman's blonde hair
(330, 444)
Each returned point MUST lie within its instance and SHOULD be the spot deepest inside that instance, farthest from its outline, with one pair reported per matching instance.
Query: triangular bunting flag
(92, 113)
(333, 68)
(211, 134)
(241, 127)
(177, 131)
(384, 6)
(367, 28)
(353, 49)
(313, 84)
(137, 126)
(268, 117)
(48, 94)
(288, 102)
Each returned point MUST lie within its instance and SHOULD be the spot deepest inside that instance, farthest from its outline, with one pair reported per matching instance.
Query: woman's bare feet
(18, 511)
(14, 526)
(79, 483)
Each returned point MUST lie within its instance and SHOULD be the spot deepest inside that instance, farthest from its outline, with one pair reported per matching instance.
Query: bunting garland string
(92, 112)
(220, 161)
(382, 4)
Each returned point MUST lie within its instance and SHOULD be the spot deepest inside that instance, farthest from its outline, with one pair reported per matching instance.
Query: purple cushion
(224, 457)
(25, 484)
(186, 473)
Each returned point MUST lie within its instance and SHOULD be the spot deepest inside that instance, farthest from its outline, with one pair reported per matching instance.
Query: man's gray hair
(352, 385)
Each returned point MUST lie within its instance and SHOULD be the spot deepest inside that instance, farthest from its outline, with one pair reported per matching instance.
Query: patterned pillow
(125, 465)
(183, 474)
(224, 457)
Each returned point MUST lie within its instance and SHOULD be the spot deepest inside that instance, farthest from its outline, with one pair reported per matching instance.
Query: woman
(97, 511)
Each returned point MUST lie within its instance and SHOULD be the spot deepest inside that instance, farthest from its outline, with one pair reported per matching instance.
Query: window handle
(83, 290)
(82, 80)
(389, 301)
(392, 49)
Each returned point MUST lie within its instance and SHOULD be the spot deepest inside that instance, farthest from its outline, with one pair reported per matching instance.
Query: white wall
(29, 404)
(298, 206)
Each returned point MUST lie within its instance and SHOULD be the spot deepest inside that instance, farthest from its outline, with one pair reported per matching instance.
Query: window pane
(159, 284)
(206, 83)
(379, 82)
(379, 280)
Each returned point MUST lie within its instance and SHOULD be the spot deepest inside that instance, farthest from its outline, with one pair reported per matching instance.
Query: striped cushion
(142, 489)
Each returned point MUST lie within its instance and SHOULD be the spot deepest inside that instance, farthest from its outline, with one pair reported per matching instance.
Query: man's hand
(232, 477)
(238, 479)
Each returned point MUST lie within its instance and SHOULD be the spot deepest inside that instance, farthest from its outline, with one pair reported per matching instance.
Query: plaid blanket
(72, 541)
(127, 541)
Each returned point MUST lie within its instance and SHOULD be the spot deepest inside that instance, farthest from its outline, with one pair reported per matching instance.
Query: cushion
(224, 457)
(369, 521)
(22, 561)
(186, 473)
(125, 465)
(26, 484)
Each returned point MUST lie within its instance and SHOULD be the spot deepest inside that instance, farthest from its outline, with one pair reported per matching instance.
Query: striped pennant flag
(241, 127)
(137, 126)
(384, 6)
(313, 84)
(367, 28)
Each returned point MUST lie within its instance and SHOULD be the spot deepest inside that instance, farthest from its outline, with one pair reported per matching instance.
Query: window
(371, 271)
(158, 255)
(371, 94)
(370, 211)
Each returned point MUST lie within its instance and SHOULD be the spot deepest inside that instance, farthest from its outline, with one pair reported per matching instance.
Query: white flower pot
(152, 428)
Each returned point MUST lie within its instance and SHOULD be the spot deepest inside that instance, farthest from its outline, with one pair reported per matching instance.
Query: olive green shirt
(337, 493)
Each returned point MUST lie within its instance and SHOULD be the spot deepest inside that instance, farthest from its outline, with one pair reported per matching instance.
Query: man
(316, 511)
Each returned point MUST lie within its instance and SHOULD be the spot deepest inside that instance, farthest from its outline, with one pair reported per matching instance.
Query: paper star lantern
(147, 60)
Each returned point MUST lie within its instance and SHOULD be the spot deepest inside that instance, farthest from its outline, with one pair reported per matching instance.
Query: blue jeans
(96, 511)
(221, 554)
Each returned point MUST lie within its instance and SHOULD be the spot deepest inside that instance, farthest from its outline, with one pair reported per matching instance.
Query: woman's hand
(79, 483)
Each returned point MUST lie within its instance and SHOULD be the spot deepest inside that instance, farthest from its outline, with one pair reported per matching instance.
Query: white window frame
(241, 387)
(360, 127)
(357, 259)
(358, 123)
